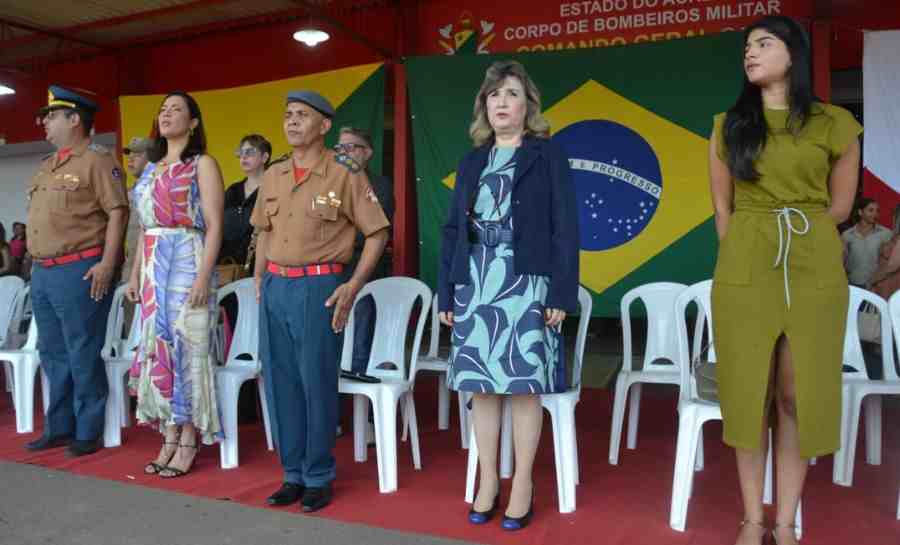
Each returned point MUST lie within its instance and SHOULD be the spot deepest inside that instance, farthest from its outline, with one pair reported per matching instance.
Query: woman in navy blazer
(508, 276)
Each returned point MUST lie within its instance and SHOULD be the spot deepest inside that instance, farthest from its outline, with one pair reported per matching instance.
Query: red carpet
(627, 504)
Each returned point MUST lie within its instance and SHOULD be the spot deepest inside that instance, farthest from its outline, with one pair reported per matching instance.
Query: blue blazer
(545, 222)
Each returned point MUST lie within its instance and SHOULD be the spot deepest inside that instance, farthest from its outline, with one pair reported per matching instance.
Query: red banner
(464, 26)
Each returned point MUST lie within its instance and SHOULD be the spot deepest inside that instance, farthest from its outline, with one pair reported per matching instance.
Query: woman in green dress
(783, 173)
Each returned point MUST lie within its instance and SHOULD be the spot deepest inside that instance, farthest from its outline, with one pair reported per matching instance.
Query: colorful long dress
(500, 342)
(172, 373)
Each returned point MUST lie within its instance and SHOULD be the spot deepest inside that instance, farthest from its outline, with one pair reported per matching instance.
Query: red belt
(71, 258)
(306, 270)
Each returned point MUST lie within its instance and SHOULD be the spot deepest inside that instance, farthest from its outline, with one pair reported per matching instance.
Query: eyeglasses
(246, 152)
(348, 148)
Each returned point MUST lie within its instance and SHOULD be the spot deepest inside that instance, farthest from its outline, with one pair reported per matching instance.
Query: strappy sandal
(174, 472)
(760, 525)
(791, 527)
(152, 468)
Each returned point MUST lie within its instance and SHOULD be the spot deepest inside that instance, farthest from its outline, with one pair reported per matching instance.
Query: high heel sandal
(517, 523)
(791, 527)
(481, 517)
(760, 525)
(174, 471)
(152, 468)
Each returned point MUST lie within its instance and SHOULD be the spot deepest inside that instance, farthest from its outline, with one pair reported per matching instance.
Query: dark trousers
(363, 331)
(71, 331)
(300, 358)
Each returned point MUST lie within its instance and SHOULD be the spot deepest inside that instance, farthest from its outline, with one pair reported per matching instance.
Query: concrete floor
(39, 506)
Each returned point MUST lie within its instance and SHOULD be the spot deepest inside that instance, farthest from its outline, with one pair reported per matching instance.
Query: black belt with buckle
(490, 234)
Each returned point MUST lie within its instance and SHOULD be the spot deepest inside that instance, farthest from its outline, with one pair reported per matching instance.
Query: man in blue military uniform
(308, 212)
(76, 220)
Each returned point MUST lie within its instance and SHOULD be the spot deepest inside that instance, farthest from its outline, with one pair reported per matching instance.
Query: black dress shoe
(82, 448)
(45, 442)
(315, 498)
(288, 493)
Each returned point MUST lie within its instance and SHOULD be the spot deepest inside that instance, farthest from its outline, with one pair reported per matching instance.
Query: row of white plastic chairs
(395, 299)
(667, 359)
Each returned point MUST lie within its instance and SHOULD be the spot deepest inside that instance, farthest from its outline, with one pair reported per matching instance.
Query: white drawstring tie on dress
(783, 218)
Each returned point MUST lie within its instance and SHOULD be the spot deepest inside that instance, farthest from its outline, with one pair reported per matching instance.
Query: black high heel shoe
(481, 517)
(517, 523)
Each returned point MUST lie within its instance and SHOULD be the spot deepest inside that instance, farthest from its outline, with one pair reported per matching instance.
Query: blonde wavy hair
(535, 125)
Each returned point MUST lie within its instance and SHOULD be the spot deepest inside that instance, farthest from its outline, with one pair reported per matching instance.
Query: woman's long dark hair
(745, 128)
(196, 141)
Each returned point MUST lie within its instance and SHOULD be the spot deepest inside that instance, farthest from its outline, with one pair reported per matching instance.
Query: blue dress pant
(300, 356)
(71, 332)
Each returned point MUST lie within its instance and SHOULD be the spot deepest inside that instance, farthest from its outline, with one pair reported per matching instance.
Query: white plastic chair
(693, 411)
(25, 362)
(394, 299)
(861, 392)
(561, 407)
(659, 300)
(13, 293)
(241, 364)
(433, 362)
(119, 348)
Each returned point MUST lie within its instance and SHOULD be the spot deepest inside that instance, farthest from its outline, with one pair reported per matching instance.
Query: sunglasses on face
(246, 152)
(348, 148)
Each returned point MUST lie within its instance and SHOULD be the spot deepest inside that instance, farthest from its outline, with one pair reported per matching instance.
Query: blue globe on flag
(617, 178)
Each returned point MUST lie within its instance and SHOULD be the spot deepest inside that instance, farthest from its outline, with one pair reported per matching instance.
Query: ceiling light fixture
(311, 37)
(4, 90)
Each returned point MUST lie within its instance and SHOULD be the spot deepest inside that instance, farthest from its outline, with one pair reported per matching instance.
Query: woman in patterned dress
(509, 274)
(179, 200)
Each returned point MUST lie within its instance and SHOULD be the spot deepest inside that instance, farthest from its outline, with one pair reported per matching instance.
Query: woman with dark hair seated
(179, 202)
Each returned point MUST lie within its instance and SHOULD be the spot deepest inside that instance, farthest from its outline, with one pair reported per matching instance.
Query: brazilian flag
(635, 123)
(357, 94)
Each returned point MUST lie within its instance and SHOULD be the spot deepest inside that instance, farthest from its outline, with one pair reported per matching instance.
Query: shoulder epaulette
(284, 157)
(347, 161)
(103, 150)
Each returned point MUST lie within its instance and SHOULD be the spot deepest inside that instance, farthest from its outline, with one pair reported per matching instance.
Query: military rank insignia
(347, 161)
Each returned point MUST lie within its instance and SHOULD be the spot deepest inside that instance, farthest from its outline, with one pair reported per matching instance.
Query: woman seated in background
(7, 263)
(18, 246)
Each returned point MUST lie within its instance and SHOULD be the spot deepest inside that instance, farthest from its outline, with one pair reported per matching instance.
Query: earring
(192, 131)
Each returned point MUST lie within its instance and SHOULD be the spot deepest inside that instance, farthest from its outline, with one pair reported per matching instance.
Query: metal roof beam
(52, 34)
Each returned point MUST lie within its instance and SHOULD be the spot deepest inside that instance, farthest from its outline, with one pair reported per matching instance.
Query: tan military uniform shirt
(316, 220)
(70, 201)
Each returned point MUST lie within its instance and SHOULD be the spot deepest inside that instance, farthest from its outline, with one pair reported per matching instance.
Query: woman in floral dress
(179, 200)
